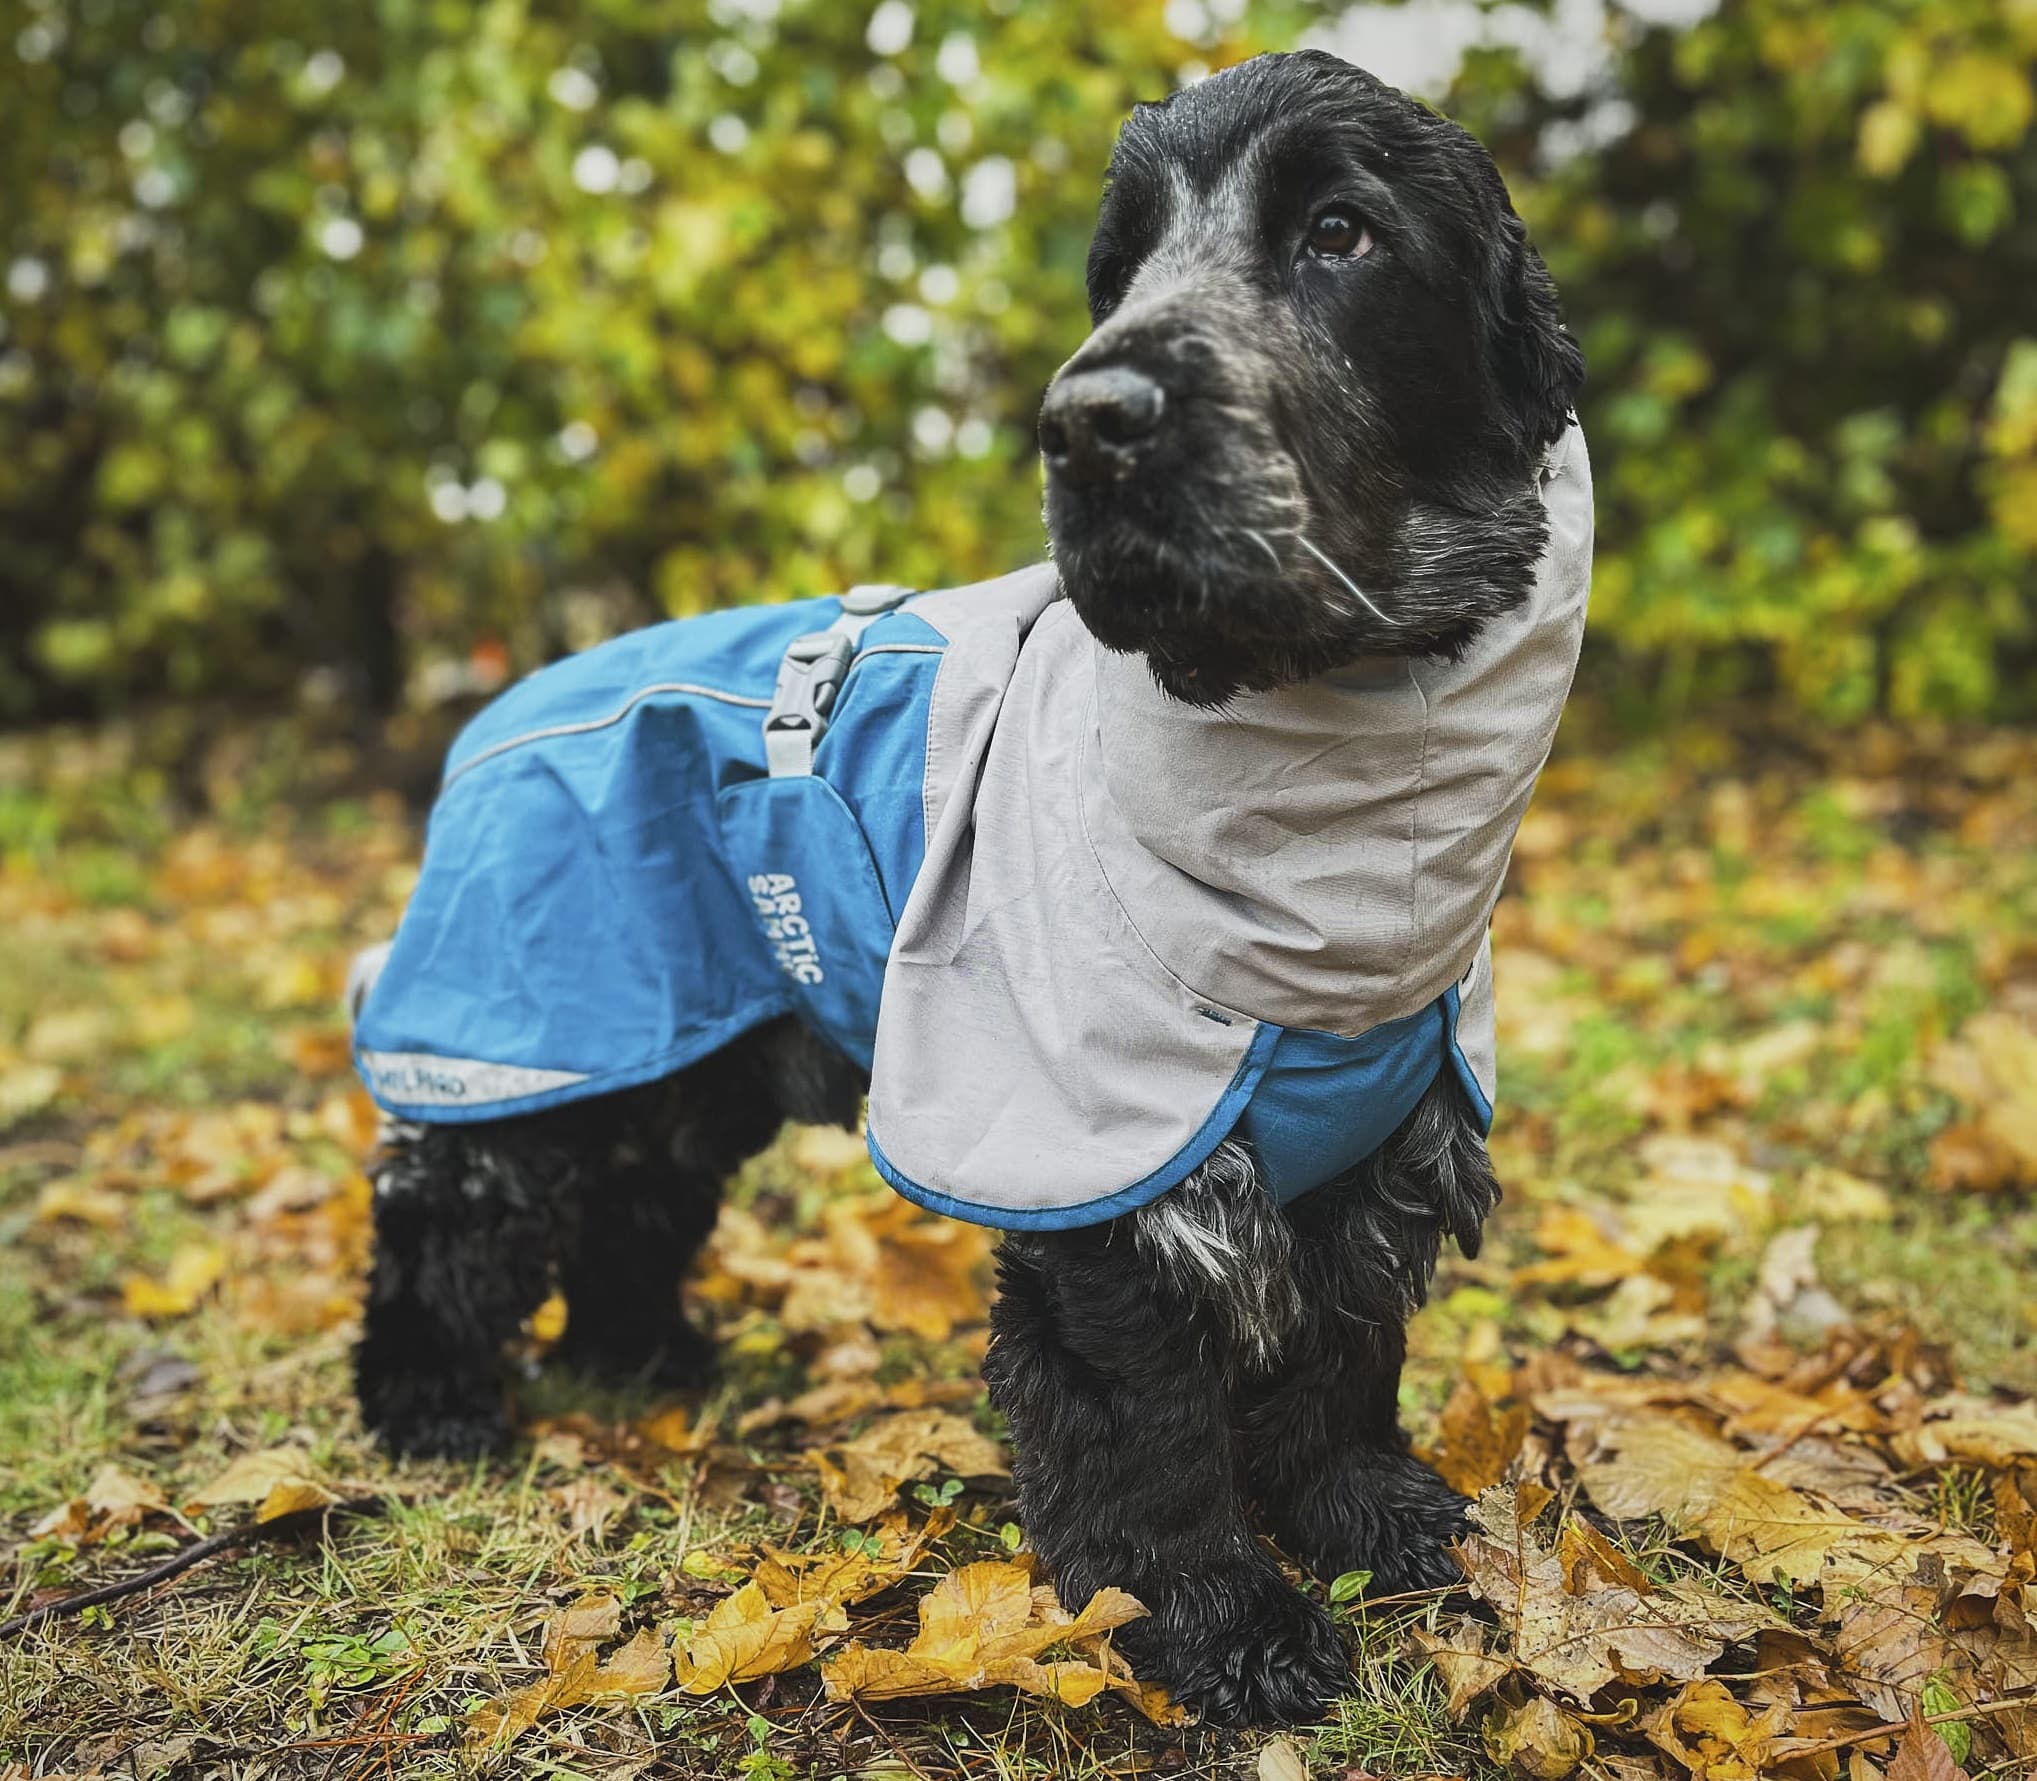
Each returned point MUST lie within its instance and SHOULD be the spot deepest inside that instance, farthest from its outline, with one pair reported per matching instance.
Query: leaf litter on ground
(1733, 1519)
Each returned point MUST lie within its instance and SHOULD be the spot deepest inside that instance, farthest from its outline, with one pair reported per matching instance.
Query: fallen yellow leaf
(1713, 1736)
(641, 1667)
(745, 1638)
(278, 1480)
(987, 1626)
(548, 1322)
(1537, 1740)
(860, 1478)
(75, 1198)
(194, 1270)
(1574, 1617)
(1475, 1443)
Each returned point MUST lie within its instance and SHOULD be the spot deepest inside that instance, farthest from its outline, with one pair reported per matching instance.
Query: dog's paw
(412, 1424)
(1390, 1515)
(677, 1357)
(1243, 1651)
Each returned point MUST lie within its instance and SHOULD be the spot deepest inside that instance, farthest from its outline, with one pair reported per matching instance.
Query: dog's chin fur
(1181, 1378)
(1212, 624)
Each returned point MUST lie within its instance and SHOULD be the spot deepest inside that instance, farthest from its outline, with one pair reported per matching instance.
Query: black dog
(1325, 361)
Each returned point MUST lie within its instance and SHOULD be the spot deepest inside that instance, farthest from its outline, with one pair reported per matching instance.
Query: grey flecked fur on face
(1345, 450)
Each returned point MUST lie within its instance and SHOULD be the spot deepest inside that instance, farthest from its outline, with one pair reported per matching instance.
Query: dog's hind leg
(1113, 1382)
(1320, 1429)
(467, 1220)
(665, 1151)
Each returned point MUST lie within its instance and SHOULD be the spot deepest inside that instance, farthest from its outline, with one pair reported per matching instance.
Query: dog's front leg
(1330, 1465)
(1320, 1428)
(1127, 1476)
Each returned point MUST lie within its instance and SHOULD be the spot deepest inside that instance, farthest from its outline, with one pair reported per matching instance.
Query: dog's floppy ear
(1539, 367)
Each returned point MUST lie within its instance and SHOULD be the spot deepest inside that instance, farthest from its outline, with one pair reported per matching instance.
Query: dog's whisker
(1259, 539)
(1363, 597)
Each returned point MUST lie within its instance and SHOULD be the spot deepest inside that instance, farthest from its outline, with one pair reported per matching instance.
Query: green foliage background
(355, 339)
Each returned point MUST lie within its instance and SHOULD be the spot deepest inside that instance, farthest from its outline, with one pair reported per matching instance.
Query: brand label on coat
(424, 1079)
(780, 912)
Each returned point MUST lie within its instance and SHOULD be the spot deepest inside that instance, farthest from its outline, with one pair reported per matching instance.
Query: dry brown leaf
(1694, 1187)
(929, 1278)
(1712, 1736)
(1975, 1430)
(1992, 1067)
(1580, 1629)
(860, 1478)
(1280, 1759)
(643, 1666)
(1641, 1312)
(1789, 1305)
(1538, 1740)
(675, 1431)
(1651, 1463)
(26, 1089)
(278, 1480)
(1475, 1443)
(589, 1506)
(70, 1521)
(1461, 1660)
(574, 1673)
(745, 1638)
(1923, 1756)
(119, 1499)
(1591, 1561)
(828, 1151)
(77, 1199)
(580, 1627)
(1582, 1250)
(1967, 1158)
(1888, 1643)
(842, 1578)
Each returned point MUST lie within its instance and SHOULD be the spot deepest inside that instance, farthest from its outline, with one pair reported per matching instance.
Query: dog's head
(1325, 365)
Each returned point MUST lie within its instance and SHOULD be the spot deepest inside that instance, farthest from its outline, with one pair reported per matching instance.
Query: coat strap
(811, 674)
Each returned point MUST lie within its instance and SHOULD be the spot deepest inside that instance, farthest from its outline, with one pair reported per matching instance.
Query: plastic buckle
(809, 677)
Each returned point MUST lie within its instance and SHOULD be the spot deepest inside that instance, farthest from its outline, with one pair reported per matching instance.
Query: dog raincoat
(1077, 932)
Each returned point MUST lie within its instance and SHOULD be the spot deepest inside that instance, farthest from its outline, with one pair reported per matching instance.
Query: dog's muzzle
(1096, 425)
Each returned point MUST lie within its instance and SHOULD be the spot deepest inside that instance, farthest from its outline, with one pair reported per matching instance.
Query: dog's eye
(1338, 234)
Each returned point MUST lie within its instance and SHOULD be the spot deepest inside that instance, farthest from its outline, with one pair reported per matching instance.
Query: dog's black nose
(1095, 423)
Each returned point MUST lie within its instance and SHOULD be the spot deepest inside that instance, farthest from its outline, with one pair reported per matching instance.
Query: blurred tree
(350, 338)
(1800, 246)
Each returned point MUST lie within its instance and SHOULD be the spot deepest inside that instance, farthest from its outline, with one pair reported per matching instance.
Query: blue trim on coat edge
(1223, 1117)
(1465, 1074)
(609, 1082)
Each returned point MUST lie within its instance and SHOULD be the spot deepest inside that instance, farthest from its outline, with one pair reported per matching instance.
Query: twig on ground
(231, 1539)
(1979, 1711)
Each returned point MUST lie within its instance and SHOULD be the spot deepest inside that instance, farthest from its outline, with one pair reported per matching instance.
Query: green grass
(361, 1653)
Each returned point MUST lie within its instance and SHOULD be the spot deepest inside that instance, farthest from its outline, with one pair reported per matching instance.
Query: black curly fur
(609, 1199)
